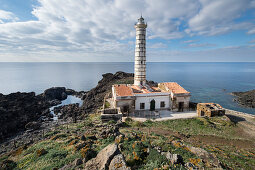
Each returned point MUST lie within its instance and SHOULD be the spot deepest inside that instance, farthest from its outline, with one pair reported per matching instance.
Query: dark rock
(246, 99)
(41, 152)
(93, 99)
(58, 93)
(83, 138)
(71, 110)
(32, 125)
(77, 162)
(8, 164)
(18, 109)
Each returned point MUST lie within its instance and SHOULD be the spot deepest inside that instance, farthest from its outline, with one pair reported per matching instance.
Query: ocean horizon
(207, 81)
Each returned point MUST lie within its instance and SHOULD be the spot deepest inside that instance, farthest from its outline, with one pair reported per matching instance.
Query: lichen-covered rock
(209, 158)
(173, 158)
(103, 158)
(119, 163)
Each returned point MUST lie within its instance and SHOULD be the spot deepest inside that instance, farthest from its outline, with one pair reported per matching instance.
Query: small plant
(107, 104)
(111, 122)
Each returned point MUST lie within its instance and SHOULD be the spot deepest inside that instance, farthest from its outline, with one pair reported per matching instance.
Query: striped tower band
(140, 52)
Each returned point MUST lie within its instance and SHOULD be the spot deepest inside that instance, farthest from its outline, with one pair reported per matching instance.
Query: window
(142, 105)
(162, 104)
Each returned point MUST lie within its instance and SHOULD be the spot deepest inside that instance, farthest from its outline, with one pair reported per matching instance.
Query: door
(181, 106)
(202, 113)
(152, 105)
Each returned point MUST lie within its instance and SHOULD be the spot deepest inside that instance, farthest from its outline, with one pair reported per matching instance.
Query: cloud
(7, 16)
(157, 45)
(200, 45)
(252, 31)
(190, 41)
(93, 28)
(217, 17)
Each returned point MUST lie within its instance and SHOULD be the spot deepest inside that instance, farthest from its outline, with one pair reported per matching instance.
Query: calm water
(208, 82)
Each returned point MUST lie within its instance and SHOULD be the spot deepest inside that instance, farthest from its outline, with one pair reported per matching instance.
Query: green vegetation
(107, 104)
(125, 81)
(139, 144)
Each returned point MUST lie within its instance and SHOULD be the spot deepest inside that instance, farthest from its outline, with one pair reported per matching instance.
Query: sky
(103, 30)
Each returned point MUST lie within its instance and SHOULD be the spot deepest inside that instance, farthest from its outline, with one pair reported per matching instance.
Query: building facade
(142, 96)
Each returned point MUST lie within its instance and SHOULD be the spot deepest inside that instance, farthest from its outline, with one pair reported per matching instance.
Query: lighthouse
(140, 52)
(137, 97)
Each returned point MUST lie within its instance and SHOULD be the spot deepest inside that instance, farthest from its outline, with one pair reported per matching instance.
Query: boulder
(119, 163)
(173, 158)
(58, 93)
(103, 158)
(209, 158)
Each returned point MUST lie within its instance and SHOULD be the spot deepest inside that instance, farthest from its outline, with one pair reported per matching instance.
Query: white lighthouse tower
(140, 52)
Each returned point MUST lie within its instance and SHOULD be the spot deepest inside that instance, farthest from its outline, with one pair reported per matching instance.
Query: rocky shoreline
(26, 116)
(23, 111)
(246, 99)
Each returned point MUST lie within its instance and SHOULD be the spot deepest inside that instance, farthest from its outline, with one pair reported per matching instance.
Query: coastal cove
(208, 82)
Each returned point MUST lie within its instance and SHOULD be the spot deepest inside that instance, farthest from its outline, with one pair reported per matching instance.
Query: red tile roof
(175, 87)
(123, 90)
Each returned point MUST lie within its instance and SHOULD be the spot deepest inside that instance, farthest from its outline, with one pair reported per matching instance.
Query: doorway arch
(152, 105)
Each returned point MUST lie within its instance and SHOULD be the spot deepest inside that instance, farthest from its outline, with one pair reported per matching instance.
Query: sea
(207, 82)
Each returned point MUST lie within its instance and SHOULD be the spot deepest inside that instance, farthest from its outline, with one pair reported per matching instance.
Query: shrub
(111, 122)
(128, 120)
(137, 124)
(107, 104)
(155, 156)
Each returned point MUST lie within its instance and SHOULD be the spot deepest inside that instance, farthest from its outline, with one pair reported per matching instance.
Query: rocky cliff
(93, 99)
(18, 109)
(246, 99)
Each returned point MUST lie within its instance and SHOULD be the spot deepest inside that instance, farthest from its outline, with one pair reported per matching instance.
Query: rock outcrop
(108, 158)
(118, 162)
(93, 99)
(103, 159)
(246, 99)
(18, 109)
(70, 111)
(58, 93)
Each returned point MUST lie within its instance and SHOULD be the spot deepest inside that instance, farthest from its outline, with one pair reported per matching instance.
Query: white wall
(147, 100)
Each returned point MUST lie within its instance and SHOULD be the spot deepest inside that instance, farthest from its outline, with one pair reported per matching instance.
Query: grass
(63, 145)
(197, 126)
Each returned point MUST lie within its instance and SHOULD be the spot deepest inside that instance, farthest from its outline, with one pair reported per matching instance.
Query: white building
(142, 96)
